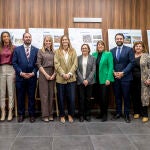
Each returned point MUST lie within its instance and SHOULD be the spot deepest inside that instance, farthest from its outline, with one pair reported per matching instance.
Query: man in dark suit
(123, 57)
(24, 63)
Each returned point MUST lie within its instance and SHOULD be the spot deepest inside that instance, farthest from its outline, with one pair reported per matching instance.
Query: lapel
(31, 53)
(24, 53)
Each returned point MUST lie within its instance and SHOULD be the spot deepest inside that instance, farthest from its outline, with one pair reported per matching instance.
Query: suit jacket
(90, 70)
(125, 63)
(61, 66)
(22, 64)
(105, 67)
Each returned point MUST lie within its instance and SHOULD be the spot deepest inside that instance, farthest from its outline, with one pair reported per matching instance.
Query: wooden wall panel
(127, 14)
(115, 14)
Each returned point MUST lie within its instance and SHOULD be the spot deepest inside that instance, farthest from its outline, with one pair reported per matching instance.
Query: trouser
(84, 99)
(136, 95)
(102, 97)
(66, 91)
(22, 87)
(7, 79)
(46, 90)
(122, 91)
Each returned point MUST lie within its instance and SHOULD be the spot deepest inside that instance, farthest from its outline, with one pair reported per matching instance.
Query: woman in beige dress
(45, 63)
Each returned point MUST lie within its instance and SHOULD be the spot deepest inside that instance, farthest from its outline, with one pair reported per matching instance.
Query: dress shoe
(136, 116)
(88, 118)
(10, 115)
(51, 118)
(70, 119)
(127, 119)
(45, 119)
(20, 119)
(32, 119)
(104, 118)
(117, 116)
(81, 119)
(62, 119)
(3, 114)
(99, 116)
(145, 119)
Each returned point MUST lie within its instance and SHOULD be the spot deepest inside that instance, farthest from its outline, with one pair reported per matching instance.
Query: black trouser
(136, 95)
(102, 92)
(84, 96)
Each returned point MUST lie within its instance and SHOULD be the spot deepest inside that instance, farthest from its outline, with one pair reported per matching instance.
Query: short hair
(87, 47)
(143, 45)
(26, 33)
(121, 34)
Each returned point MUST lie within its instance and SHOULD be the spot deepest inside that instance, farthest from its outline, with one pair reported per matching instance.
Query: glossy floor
(94, 135)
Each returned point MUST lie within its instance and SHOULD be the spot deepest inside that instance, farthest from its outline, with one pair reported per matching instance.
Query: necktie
(118, 53)
(27, 53)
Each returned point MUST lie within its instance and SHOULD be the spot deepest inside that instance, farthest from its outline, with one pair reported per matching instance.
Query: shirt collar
(25, 46)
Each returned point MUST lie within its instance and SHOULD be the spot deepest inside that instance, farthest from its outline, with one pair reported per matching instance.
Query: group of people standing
(124, 68)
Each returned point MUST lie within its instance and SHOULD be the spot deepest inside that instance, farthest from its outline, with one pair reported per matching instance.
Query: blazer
(62, 67)
(105, 67)
(90, 70)
(21, 64)
(125, 63)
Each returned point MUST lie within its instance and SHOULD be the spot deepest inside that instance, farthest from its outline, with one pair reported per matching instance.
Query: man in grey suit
(85, 80)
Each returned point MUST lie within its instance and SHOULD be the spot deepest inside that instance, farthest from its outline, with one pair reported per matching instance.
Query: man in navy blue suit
(24, 63)
(123, 57)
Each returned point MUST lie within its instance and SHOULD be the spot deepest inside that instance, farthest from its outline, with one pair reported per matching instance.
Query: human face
(47, 42)
(84, 50)
(100, 47)
(138, 48)
(65, 41)
(27, 39)
(119, 40)
(5, 38)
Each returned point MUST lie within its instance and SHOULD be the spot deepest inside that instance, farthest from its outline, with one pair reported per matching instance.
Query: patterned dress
(145, 75)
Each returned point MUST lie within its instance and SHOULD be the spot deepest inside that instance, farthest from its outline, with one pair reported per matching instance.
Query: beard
(28, 42)
(119, 43)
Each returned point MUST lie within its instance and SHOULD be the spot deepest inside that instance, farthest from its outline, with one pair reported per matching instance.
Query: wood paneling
(116, 14)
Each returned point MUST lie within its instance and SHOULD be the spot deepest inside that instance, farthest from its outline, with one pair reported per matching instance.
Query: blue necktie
(118, 53)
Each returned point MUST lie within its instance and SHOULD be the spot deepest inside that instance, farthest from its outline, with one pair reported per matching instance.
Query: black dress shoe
(99, 116)
(117, 116)
(32, 119)
(104, 118)
(81, 119)
(88, 118)
(20, 119)
(127, 119)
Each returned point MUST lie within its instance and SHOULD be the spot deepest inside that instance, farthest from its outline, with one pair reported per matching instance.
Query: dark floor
(94, 135)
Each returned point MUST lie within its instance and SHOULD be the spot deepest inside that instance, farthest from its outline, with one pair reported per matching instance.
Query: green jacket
(105, 67)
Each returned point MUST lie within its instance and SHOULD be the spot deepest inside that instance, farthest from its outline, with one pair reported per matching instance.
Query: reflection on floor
(94, 135)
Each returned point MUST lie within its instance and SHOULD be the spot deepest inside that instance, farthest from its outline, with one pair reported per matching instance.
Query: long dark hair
(10, 45)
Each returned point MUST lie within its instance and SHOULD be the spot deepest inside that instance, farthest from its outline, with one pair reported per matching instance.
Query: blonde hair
(69, 44)
(50, 38)
(143, 46)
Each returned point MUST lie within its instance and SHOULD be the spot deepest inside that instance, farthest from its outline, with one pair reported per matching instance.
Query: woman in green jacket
(104, 76)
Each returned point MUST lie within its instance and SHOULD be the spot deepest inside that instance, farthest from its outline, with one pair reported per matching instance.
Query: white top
(84, 65)
(65, 55)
